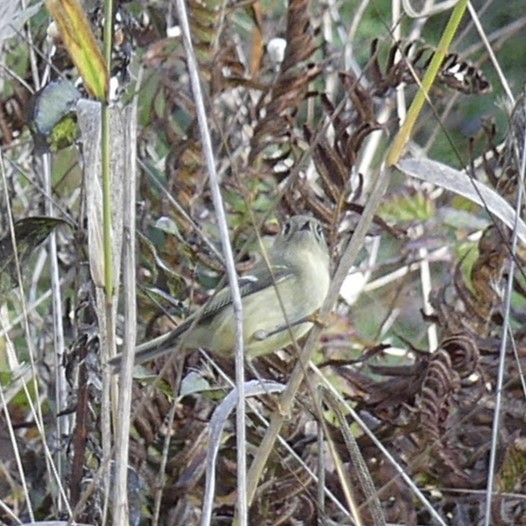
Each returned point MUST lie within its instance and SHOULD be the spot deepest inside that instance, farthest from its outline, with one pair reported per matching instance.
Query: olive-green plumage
(298, 275)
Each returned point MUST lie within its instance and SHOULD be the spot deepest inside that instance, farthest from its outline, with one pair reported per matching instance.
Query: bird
(279, 298)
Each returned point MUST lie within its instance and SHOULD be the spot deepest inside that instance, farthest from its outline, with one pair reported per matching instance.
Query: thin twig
(507, 331)
(287, 398)
(120, 505)
(62, 422)
(229, 260)
(408, 480)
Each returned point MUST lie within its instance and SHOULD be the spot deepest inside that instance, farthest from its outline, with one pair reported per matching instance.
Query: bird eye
(319, 230)
(286, 228)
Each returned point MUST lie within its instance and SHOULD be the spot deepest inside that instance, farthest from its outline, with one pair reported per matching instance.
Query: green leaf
(82, 47)
(412, 207)
(53, 120)
(29, 233)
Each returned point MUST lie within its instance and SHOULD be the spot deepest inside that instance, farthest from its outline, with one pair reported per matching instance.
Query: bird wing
(260, 279)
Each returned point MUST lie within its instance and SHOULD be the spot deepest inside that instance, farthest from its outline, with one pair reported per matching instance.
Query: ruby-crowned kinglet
(278, 298)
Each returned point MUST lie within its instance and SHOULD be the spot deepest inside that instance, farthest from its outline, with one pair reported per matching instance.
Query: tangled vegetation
(303, 102)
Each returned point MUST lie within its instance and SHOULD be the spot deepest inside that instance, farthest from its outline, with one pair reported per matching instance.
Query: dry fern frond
(276, 112)
(407, 59)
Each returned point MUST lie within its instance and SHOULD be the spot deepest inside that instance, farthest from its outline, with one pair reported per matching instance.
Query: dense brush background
(414, 339)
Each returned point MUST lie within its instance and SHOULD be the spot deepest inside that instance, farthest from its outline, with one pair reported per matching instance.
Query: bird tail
(152, 349)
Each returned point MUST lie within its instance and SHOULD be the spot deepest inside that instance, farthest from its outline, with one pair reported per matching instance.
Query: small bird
(279, 297)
